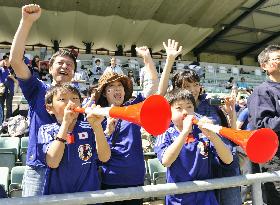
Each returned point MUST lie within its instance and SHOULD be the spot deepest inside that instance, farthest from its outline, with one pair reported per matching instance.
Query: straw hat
(110, 77)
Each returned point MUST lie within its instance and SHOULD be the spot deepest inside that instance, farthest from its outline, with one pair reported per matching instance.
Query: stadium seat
(9, 144)
(9, 150)
(17, 174)
(157, 171)
(4, 177)
(15, 189)
(24, 144)
(23, 149)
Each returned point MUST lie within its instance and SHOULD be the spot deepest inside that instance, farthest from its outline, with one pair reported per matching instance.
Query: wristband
(60, 139)
(70, 138)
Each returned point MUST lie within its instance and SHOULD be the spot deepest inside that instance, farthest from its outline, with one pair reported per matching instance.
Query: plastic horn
(260, 145)
(153, 114)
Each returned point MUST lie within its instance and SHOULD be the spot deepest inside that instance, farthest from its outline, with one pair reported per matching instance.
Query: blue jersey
(34, 92)
(126, 165)
(194, 162)
(77, 171)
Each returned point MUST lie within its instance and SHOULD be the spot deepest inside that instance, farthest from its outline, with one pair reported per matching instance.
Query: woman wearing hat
(126, 166)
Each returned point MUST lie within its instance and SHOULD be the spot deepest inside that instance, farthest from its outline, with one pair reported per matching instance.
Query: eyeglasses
(274, 59)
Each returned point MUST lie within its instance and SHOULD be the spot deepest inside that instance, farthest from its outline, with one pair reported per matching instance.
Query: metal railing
(148, 191)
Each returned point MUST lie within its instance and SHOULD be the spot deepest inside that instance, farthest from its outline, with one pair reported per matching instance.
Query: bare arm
(222, 150)
(151, 72)
(102, 146)
(30, 13)
(172, 52)
(172, 152)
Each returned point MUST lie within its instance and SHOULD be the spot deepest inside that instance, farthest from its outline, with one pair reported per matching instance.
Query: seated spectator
(114, 67)
(89, 100)
(131, 76)
(97, 69)
(35, 67)
(243, 72)
(242, 85)
(230, 83)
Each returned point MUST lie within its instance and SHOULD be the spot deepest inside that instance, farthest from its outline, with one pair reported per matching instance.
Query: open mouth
(63, 72)
(118, 96)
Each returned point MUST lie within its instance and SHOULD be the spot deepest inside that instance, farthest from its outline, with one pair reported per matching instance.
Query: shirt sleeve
(45, 138)
(262, 110)
(243, 116)
(31, 89)
(162, 143)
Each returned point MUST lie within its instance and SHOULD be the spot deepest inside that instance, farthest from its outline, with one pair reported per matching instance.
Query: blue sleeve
(262, 109)
(162, 143)
(44, 140)
(243, 116)
(32, 89)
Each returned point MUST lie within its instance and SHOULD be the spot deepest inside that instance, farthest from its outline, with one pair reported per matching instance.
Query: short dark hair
(179, 94)
(97, 60)
(263, 57)
(5, 57)
(64, 52)
(91, 88)
(181, 77)
(65, 87)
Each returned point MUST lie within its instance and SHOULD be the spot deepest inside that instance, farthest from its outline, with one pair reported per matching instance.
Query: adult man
(264, 111)
(114, 67)
(62, 67)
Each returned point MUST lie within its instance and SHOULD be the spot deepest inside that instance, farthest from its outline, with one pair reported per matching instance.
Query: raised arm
(151, 72)
(172, 52)
(30, 13)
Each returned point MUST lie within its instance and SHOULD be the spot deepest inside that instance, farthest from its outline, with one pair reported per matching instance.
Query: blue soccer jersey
(77, 171)
(126, 166)
(193, 163)
(34, 92)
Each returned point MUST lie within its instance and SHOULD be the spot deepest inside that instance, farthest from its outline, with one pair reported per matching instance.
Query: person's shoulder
(49, 127)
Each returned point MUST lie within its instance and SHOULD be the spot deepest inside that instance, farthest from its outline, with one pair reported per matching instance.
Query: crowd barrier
(151, 191)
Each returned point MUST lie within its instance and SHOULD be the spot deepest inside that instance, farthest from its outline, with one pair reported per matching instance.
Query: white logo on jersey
(83, 135)
(85, 152)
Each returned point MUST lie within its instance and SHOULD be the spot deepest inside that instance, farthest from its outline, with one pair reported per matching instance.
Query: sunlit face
(60, 100)
(114, 92)
(272, 66)
(180, 109)
(113, 62)
(6, 62)
(62, 69)
(194, 88)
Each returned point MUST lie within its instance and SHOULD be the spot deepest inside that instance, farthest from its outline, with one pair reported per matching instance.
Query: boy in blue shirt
(62, 68)
(71, 147)
(188, 153)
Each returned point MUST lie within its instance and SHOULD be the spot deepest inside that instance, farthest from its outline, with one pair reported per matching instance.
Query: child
(186, 152)
(70, 147)
(126, 166)
(190, 80)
